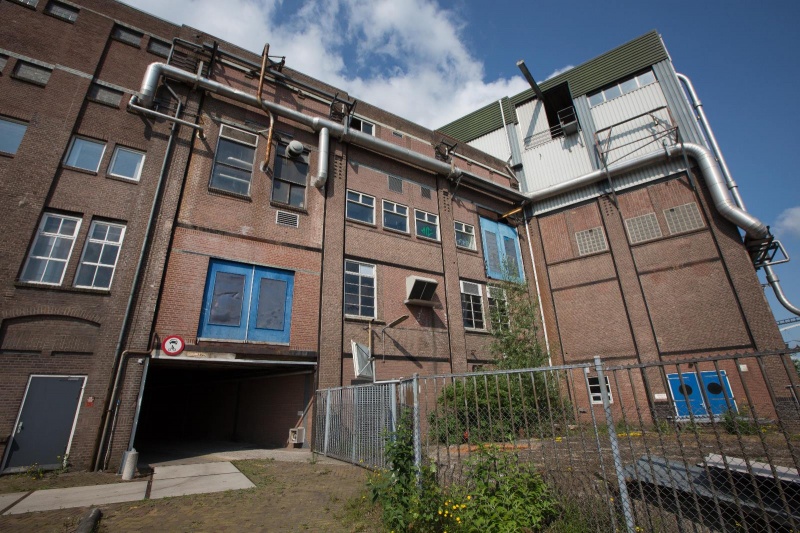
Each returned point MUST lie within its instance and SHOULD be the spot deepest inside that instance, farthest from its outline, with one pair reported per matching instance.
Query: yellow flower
(469, 497)
(455, 507)
(458, 519)
(463, 506)
(440, 511)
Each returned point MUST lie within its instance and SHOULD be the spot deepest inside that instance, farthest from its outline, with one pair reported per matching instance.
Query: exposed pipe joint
(155, 114)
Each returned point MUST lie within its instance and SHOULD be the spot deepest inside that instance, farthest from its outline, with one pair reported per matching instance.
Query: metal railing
(706, 444)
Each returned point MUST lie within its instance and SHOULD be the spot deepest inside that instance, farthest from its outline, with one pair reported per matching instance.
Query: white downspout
(538, 295)
(322, 174)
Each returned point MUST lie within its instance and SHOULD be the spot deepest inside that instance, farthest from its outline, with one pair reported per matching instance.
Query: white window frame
(374, 277)
(139, 167)
(360, 202)
(97, 264)
(89, 140)
(234, 140)
(618, 85)
(464, 226)
(40, 233)
(393, 211)
(361, 126)
(426, 215)
(472, 304)
(498, 294)
(593, 382)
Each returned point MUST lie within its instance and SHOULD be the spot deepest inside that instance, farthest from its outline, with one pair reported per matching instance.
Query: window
(427, 225)
(126, 163)
(395, 216)
(246, 303)
(591, 241)
(100, 254)
(85, 153)
(62, 11)
(289, 183)
(233, 162)
(465, 236)
(29, 3)
(622, 87)
(472, 305)
(29, 72)
(127, 35)
(683, 218)
(51, 249)
(596, 393)
(360, 207)
(362, 125)
(501, 250)
(159, 47)
(498, 309)
(104, 95)
(11, 134)
(643, 228)
(359, 289)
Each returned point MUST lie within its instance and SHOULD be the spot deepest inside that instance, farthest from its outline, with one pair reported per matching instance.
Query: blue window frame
(501, 251)
(246, 303)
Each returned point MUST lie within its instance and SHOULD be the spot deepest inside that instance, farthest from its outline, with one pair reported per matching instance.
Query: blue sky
(435, 61)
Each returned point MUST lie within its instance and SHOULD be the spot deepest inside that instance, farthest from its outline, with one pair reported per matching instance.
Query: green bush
(739, 423)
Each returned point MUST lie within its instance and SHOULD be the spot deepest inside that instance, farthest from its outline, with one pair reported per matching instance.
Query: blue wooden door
(717, 388)
(686, 395)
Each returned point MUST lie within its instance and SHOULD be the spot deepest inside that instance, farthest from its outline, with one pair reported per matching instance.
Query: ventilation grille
(591, 241)
(643, 228)
(239, 135)
(470, 288)
(290, 220)
(397, 134)
(683, 218)
(395, 184)
(426, 192)
(32, 73)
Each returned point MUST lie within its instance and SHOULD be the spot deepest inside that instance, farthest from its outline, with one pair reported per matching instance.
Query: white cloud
(409, 57)
(788, 223)
(559, 71)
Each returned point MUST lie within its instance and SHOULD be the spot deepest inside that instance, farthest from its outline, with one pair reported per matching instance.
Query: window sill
(123, 180)
(361, 222)
(62, 19)
(364, 319)
(245, 342)
(96, 101)
(397, 231)
(288, 207)
(7, 154)
(139, 46)
(428, 239)
(61, 288)
(29, 82)
(81, 170)
(229, 194)
(477, 331)
(465, 249)
(32, 8)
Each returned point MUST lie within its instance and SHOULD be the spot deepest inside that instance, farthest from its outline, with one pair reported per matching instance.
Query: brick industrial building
(267, 219)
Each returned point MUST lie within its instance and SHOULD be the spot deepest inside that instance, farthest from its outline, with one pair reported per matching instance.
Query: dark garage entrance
(195, 407)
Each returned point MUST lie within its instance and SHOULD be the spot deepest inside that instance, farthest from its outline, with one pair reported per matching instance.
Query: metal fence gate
(707, 444)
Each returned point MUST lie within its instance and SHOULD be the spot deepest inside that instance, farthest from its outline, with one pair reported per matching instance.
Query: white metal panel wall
(532, 119)
(494, 143)
(556, 161)
(628, 105)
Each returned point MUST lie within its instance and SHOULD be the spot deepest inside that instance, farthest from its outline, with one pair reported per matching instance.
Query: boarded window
(683, 218)
(159, 47)
(3, 61)
(127, 35)
(104, 95)
(591, 241)
(643, 228)
(32, 73)
(272, 304)
(226, 302)
(62, 11)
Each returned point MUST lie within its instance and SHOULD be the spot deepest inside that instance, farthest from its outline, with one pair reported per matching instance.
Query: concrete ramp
(180, 480)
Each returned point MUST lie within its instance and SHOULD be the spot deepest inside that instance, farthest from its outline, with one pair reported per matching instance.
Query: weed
(35, 471)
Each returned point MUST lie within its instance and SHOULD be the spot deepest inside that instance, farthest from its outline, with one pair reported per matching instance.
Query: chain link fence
(707, 444)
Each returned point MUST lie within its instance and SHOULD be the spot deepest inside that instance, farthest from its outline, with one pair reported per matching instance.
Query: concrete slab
(12, 497)
(163, 488)
(47, 500)
(191, 470)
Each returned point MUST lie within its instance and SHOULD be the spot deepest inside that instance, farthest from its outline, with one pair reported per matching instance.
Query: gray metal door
(45, 423)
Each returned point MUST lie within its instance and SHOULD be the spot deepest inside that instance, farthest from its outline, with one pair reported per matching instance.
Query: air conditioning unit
(297, 435)
(420, 291)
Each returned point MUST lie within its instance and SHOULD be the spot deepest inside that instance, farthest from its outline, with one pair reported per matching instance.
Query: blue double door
(708, 395)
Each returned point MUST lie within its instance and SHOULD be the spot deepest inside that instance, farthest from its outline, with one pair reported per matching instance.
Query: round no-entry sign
(173, 345)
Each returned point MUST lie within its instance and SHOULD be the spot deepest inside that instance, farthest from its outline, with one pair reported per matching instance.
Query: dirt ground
(287, 497)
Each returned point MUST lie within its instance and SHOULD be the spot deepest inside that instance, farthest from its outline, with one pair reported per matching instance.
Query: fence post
(393, 421)
(327, 422)
(355, 425)
(612, 436)
(417, 429)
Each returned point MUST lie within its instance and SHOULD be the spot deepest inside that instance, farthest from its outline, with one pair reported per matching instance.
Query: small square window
(62, 11)
(159, 47)
(290, 176)
(427, 225)
(362, 125)
(104, 95)
(51, 249)
(591, 241)
(465, 236)
(472, 305)
(233, 161)
(29, 72)
(127, 35)
(11, 134)
(85, 153)
(643, 228)
(126, 163)
(360, 207)
(395, 216)
(100, 255)
(359, 289)
(683, 218)
(595, 391)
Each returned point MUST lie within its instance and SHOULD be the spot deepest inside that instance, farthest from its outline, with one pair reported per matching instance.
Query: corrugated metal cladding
(588, 128)
(620, 62)
(532, 119)
(556, 161)
(678, 104)
(494, 143)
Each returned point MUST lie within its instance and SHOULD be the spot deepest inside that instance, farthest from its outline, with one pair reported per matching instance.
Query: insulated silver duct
(322, 174)
(155, 71)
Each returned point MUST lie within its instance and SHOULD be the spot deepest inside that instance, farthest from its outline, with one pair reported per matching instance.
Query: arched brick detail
(50, 310)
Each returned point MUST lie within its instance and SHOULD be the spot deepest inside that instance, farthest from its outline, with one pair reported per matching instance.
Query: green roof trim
(622, 61)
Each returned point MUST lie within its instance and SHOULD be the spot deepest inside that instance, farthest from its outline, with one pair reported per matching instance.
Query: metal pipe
(775, 283)
(139, 403)
(369, 142)
(322, 173)
(155, 114)
(753, 227)
(538, 294)
(268, 150)
(712, 140)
